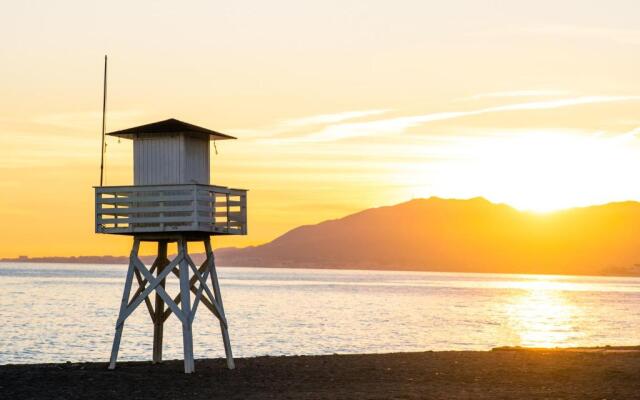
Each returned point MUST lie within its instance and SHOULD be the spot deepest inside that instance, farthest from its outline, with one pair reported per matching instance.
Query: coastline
(512, 373)
(616, 273)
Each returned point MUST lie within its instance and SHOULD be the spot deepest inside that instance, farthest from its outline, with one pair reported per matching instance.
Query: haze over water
(66, 312)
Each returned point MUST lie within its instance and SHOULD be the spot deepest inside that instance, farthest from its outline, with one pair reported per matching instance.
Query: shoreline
(350, 268)
(510, 372)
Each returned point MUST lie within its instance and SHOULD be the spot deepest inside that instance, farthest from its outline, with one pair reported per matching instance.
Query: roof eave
(135, 135)
(169, 127)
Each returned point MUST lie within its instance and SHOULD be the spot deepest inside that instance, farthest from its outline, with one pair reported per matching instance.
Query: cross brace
(192, 279)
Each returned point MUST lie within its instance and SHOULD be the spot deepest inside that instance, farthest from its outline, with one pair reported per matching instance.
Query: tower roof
(169, 126)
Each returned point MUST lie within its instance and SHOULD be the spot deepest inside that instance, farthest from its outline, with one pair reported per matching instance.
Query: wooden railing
(171, 208)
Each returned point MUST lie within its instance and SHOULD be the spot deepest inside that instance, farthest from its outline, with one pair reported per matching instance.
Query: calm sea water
(66, 312)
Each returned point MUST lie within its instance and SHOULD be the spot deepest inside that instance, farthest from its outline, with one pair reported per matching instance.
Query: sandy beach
(503, 374)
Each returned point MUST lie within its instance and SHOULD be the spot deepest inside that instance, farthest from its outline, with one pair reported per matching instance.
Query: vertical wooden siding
(195, 160)
(168, 160)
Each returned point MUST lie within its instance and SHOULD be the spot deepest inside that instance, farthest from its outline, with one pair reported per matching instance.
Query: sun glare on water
(542, 317)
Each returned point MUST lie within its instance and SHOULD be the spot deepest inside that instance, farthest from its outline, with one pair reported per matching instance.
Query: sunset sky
(338, 106)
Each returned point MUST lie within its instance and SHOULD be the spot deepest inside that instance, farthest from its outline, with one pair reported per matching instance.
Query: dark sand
(505, 374)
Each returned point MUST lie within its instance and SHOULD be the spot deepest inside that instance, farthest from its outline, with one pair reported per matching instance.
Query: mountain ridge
(473, 235)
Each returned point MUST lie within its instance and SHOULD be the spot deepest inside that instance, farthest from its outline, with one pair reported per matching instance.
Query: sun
(539, 171)
(550, 171)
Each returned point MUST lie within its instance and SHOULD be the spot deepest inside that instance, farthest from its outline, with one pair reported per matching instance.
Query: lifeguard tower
(171, 201)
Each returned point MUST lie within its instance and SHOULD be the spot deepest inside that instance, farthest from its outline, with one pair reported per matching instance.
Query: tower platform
(180, 208)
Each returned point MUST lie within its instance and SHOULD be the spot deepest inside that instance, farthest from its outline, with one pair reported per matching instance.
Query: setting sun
(545, 171)
(538, 171)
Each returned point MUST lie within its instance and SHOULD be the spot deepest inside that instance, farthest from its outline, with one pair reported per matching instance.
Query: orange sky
(338, 105)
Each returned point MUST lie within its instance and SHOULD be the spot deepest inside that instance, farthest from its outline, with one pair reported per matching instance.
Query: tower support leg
(218, 298)
(192, 279)
(158, 317)
(123, 305)
(185, 299)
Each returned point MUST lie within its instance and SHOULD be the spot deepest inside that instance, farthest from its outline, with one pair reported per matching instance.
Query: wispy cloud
(633, 133)
(620, 35)
(88, 119)
(29, 150)
(573, 101)
(401, 124)
(297, 124)
(330, 118)
(519, 93)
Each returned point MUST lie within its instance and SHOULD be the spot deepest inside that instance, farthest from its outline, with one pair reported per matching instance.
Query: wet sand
(500, 374)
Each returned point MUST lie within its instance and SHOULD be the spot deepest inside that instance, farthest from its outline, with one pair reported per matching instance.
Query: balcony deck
(183, 208)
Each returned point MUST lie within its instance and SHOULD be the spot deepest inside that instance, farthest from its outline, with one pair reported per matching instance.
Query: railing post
(194, 221)
(98, 210)
(228, 213)
(243, 212)
(115, 206)
(213, 197)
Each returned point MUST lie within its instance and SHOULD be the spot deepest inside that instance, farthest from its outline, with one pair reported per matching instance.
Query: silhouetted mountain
(460, 235)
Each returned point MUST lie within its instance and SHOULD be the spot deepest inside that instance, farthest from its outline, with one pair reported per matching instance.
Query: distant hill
(447, 235)
(460, 235)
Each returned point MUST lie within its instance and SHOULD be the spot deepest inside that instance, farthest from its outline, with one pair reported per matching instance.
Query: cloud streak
(88, 119)
(330, 118)
(296, 124)
(619, 35)
(400, 124)
(519, 93)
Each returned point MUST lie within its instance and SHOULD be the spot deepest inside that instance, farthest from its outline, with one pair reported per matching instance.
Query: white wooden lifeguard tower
(171, 201)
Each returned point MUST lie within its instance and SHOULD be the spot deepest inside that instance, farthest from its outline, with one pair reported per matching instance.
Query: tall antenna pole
(104, 112)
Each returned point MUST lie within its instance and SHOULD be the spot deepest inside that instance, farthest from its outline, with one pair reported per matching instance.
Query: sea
(67, 312)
